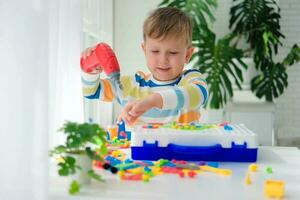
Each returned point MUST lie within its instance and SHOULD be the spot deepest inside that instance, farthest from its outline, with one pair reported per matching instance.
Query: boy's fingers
(87, 52)
(126, 121)
(128, 114)
(119, 119)
(97, 70)
(137, 110)
(132, 113)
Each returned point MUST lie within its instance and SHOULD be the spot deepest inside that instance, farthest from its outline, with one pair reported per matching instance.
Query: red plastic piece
(191, 174)
(102, 56)
(170, 170)
(134, 177)
(181, 174)
(123, 134)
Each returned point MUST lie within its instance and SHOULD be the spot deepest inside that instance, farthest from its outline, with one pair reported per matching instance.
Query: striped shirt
(182, 97)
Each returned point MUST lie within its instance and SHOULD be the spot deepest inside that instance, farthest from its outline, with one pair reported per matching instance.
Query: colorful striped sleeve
(190, 93)
(95, 88)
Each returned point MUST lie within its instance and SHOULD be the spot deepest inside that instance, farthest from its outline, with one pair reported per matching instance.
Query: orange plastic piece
(134, 177)
(191, 116)
(274, 188)
(113, 132)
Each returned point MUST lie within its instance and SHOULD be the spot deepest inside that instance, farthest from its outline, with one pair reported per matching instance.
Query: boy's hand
(86, 53)
(134, 109)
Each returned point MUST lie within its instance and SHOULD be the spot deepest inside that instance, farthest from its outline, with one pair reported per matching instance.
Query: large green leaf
(293, 56)
(271, 82)
(258, 21)
(201, 11)
(219, 61)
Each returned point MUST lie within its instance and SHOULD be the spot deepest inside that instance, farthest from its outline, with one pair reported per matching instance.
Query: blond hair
(168, 21)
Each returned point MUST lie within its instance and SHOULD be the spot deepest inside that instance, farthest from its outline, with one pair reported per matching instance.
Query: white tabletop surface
(285, 162)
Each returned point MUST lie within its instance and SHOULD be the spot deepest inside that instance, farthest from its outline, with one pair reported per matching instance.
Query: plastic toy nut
(274, 188)
(252, 168)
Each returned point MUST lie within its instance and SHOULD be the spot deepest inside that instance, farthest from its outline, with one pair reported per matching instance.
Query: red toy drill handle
(102, 56)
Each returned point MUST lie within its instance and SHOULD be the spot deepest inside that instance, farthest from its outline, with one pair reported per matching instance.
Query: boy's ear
(143, 47)
(189, 54)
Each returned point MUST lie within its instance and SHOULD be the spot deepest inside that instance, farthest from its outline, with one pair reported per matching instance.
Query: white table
(285, 162)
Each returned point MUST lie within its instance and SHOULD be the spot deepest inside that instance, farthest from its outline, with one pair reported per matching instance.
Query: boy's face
(166, 58)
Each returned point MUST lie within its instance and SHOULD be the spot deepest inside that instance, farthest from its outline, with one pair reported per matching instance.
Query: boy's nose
(164, 59)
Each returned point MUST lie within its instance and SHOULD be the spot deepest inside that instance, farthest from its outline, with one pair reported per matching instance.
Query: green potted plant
(258, 21)
(84, 142)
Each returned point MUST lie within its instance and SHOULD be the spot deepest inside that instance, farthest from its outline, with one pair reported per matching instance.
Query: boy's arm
(191, 92)
(95, 88)
(134, 109)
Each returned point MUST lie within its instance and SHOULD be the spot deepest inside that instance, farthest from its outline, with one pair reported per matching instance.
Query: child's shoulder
(191, 73)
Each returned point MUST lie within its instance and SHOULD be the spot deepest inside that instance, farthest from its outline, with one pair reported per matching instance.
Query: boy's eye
(154, 51)
(173, 52)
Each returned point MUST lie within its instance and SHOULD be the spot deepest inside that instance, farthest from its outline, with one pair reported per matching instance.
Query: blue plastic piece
(227, 127)
(147, 162)
(237, 153)
(113, 161)
(122, 128)
(213, 164)
(169, 164)
(147, 169)
(107, 136)
(128, 161)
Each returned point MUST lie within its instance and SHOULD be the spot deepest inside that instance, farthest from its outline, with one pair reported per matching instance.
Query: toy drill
(104, 57)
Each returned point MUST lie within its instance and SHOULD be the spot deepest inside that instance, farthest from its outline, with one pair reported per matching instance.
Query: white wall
(288, 105)
(24, 100)
(98, 26)
(129, 16)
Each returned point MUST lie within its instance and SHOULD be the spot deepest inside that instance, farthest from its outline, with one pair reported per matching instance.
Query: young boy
(169, 92)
